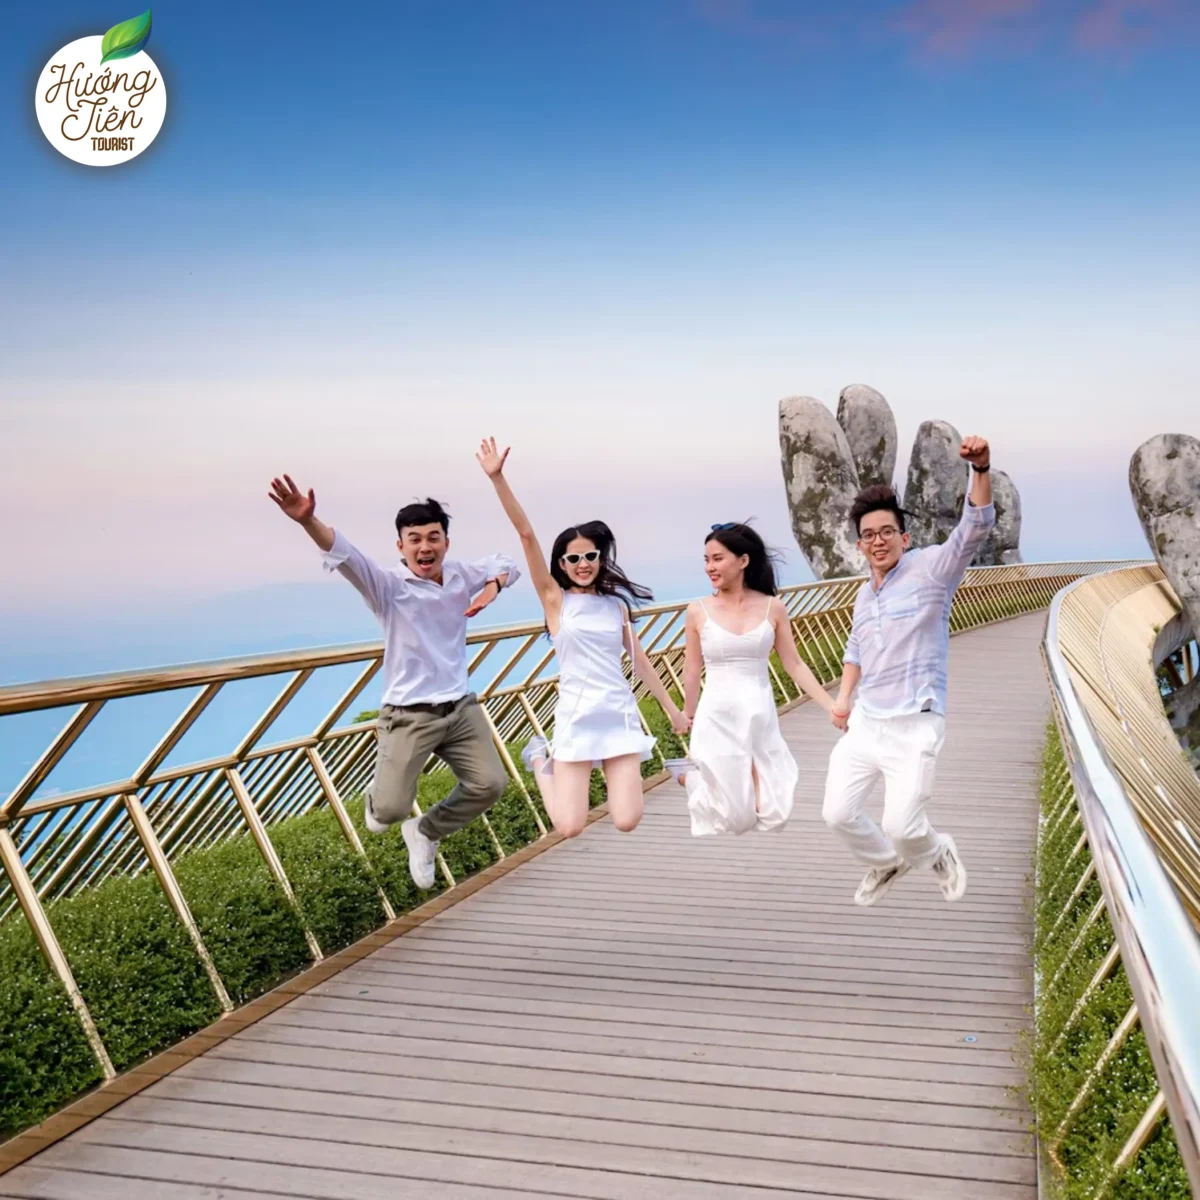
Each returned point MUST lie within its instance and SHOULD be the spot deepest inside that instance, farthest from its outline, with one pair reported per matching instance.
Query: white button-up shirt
(424, 623)
(901, 632)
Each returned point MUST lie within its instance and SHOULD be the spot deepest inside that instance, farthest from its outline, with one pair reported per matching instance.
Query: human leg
(404, 741)
(468, 749)
(571, 785)
(910, 761)
(853, 770)
(626, 798)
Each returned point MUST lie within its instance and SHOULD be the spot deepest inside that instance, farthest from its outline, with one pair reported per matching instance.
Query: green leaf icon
(127, 38)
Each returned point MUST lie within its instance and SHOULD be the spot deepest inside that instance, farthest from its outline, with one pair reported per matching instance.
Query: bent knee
(569, 829)
(627, 822)
(490, 787)
(835, 813)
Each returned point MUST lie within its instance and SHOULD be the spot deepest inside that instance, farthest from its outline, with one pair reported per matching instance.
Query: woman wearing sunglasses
(739, 773)
(587, 600)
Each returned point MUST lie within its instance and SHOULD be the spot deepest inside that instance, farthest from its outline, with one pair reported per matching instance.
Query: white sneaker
(877, 882)
(422, 853)
(369, 819)
(950, 872)
(536, 748)
(678, 768)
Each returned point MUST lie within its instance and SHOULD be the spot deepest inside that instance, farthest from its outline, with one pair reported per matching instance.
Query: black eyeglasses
(588, 556)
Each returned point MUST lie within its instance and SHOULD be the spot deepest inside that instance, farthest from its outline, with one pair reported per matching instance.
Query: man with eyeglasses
(428, 708)
(896, 657)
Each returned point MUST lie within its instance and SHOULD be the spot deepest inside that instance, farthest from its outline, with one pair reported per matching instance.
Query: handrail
(1157, 941)
(54, 846)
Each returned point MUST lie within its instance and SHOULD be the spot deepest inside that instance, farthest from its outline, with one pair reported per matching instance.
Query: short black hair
(422, 512)
(880, 497)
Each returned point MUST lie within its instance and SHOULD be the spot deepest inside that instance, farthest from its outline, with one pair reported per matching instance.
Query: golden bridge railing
(53, 846)
(1124, 814)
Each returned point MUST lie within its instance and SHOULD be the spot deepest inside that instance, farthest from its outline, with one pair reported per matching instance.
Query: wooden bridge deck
(649, 1017)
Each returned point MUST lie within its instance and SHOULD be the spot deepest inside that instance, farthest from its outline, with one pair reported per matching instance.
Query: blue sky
(613, 234)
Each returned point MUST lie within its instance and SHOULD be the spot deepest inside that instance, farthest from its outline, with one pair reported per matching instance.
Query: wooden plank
(424, 1126)
(650, 1016)
(341, 1086)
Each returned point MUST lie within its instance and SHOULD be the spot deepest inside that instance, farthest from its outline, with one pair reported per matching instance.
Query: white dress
(736, 728)
(596, 716)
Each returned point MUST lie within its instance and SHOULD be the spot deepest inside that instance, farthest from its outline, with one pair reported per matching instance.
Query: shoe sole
(879, 894)
(404, 832)
(960, 891)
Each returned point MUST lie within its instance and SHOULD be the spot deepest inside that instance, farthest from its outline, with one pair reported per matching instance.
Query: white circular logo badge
(101, 100)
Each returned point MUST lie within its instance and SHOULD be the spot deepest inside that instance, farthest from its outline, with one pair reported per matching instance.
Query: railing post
(267, 849)
(343, 818)
(39, 923)
(170, 885)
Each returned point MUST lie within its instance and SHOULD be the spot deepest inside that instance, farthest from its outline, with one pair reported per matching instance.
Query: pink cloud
(962, 29)
(1128, 25)
(955, 28)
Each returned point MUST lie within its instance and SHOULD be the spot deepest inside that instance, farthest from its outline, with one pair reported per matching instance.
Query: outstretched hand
(490, 459)
(292, 500)
(491, 590)
(976, 451)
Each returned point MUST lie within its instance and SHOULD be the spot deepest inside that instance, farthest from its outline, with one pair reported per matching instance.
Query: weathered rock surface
(1164, 479)
(1002, 546)
(866, 419)
(821, 483)
(937, 483)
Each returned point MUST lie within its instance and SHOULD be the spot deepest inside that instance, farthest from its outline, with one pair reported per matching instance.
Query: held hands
(490, 459)
(680, 723)
(292, 501)
(840, 716)
(976, 451)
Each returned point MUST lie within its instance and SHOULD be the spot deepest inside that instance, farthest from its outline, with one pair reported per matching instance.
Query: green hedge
(1060, 1064)
(252, 933)
(44, 1057)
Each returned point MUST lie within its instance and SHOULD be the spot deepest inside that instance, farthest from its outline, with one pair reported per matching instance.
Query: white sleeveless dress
(596, 716)
(737, 727)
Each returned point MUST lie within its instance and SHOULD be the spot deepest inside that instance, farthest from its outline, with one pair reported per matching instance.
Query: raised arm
(492, 461)
(800, 672)
(371, 581)
(693, 663)
(302, 508)
(948, 562)
(643, 668)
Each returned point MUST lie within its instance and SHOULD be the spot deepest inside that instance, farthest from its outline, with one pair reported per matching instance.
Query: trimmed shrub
(334, 888)
(45, 1060)
(251, 930)
(135, 966)
(1065, 1047)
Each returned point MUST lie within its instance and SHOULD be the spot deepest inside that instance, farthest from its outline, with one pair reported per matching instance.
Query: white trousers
(903, 752)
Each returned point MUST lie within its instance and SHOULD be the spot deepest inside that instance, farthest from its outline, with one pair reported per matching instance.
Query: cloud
(956, 30)
(1126, 26)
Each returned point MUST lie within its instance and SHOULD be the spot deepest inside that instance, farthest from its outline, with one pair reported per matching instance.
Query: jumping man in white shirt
(897, 657)
(423, 605)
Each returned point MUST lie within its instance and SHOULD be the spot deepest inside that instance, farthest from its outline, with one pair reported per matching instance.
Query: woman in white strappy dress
(739, 773)
(586, 598)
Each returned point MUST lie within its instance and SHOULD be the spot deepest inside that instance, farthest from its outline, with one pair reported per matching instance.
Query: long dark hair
(610, 579)
(738, 538)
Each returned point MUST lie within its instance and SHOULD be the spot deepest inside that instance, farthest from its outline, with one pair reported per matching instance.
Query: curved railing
(55, 846)
(1130, 814)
